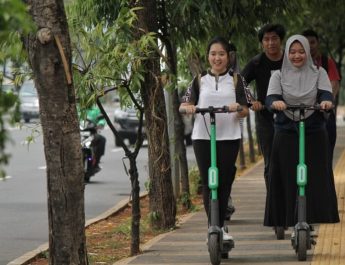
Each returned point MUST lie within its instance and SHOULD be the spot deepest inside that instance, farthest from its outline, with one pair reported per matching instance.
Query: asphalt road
(23, 194)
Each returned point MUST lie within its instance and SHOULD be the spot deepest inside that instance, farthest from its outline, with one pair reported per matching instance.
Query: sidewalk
(254, 243)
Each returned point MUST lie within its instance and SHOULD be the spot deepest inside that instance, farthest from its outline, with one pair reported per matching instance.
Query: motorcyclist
(93, 115)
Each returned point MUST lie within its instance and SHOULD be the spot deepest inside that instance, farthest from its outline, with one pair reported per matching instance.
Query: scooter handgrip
(226, 108)
(182, 110)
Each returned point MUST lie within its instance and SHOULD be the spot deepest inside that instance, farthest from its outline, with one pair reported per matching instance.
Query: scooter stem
(213, 170)
(302, 167)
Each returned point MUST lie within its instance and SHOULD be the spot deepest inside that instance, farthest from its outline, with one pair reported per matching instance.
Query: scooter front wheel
(214, 249)
(302, 245)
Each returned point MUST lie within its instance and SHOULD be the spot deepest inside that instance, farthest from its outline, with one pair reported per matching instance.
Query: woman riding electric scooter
(299, 82)
(216, 88)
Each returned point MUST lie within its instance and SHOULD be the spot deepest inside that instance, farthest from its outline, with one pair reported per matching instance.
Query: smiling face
(297, 54)
(218, 58)
(271, 43)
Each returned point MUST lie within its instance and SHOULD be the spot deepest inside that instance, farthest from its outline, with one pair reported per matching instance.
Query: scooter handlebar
(211, 109)
(306, 107)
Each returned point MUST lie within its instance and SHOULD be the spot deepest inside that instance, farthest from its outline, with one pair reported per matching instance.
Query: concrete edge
(251, 168)
(154, 240)
(29, 256)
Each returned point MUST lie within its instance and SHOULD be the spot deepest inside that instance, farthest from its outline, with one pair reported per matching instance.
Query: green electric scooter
(217, 248)
(302, 240)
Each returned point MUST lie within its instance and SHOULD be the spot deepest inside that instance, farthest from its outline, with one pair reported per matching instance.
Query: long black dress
(282, 193)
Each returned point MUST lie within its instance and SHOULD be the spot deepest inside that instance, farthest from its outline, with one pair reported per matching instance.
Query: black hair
(222, 41)
(310, 33)
(232, 47)
(277, 28)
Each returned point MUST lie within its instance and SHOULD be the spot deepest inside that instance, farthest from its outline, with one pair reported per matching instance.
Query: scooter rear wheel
(214, 249)
(302, 245)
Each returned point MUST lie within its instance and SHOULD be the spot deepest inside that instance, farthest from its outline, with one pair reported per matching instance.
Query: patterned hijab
(298, 85)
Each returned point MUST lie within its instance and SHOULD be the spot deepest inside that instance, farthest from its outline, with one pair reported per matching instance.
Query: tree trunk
(181, 163)
(162, 201)
(49, 53)
(134, 177)
(135, 225)
(194, 63)
(180, 155)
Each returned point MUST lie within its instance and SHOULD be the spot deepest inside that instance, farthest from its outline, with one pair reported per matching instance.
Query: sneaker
(229, 212)
(293, 235)
(293, 239)
(226, 236)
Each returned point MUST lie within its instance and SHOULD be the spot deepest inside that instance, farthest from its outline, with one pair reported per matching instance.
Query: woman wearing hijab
(299, 81)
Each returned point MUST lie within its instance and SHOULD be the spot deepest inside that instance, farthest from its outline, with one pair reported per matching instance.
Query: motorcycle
(88, 133)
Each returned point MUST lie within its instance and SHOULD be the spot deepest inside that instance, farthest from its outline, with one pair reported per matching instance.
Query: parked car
(126, 122)
(29, 106)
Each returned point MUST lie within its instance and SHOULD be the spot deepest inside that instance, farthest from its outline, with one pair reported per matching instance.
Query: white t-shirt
(216, 94)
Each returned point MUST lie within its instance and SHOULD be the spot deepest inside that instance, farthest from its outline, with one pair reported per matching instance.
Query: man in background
(260, 69)
(321, 59)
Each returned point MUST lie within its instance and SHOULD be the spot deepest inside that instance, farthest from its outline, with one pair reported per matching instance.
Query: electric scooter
(302, 240)
(217, 248)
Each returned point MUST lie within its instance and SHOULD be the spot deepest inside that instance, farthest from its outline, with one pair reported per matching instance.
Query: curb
(31, 255)
(154, 240)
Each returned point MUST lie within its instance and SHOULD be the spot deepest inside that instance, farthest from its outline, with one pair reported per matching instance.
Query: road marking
(42, 168)
(116, 150)
(6, 177)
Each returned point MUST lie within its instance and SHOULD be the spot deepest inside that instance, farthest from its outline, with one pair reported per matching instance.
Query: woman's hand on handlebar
(233, 107)
(326, 105)
(256, 106)
(242, 111)
(279, 105)
(187, 108)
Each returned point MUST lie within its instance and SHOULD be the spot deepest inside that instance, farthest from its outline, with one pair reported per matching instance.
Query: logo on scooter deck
(213, 177)
(301, 175)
